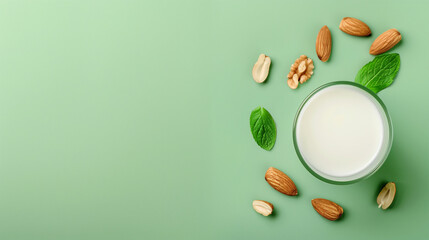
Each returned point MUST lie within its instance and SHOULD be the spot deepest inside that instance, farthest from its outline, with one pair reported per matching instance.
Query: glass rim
(389, 122)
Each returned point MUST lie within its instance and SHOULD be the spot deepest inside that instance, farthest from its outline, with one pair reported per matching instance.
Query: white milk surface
(342, 132)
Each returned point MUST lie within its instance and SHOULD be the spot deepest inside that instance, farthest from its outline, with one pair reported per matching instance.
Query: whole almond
(354, 27)
(323, 44)
(280, 182)
(386, 195)
(263, 207)
(261, 68)
(327, 209)
(385, 42)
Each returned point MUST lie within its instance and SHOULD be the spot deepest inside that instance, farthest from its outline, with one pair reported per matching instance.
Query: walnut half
(300, 71)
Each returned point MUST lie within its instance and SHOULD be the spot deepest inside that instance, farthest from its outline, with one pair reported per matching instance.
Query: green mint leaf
(263, 128)
(380, 72)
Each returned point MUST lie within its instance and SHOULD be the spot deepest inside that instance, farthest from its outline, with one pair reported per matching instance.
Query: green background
(130, 119)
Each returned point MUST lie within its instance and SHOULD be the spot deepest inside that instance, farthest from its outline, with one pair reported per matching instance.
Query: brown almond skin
(327, 209)
(385, 42)
(280, 182)
(355, 27)
(324, 44)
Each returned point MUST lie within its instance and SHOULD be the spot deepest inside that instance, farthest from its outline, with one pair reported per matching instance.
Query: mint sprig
(380, 72)
(263, 128)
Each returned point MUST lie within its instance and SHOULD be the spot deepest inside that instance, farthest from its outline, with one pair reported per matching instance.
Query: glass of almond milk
(342, 132)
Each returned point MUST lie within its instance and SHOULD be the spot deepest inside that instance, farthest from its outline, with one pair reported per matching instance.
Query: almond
(261, 68)
(385, 42)
(354, 27)
(327, 209)
(386, 195)
(263, 207)
(280, 182)
(323, 44)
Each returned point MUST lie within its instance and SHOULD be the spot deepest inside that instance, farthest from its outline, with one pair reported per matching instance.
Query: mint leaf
(263, 128)
(380, 72)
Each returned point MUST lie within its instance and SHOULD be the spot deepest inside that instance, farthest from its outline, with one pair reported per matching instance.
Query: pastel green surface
(129, 119)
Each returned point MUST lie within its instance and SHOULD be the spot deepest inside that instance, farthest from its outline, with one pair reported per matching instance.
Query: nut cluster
(381, 44)
(300, 71)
